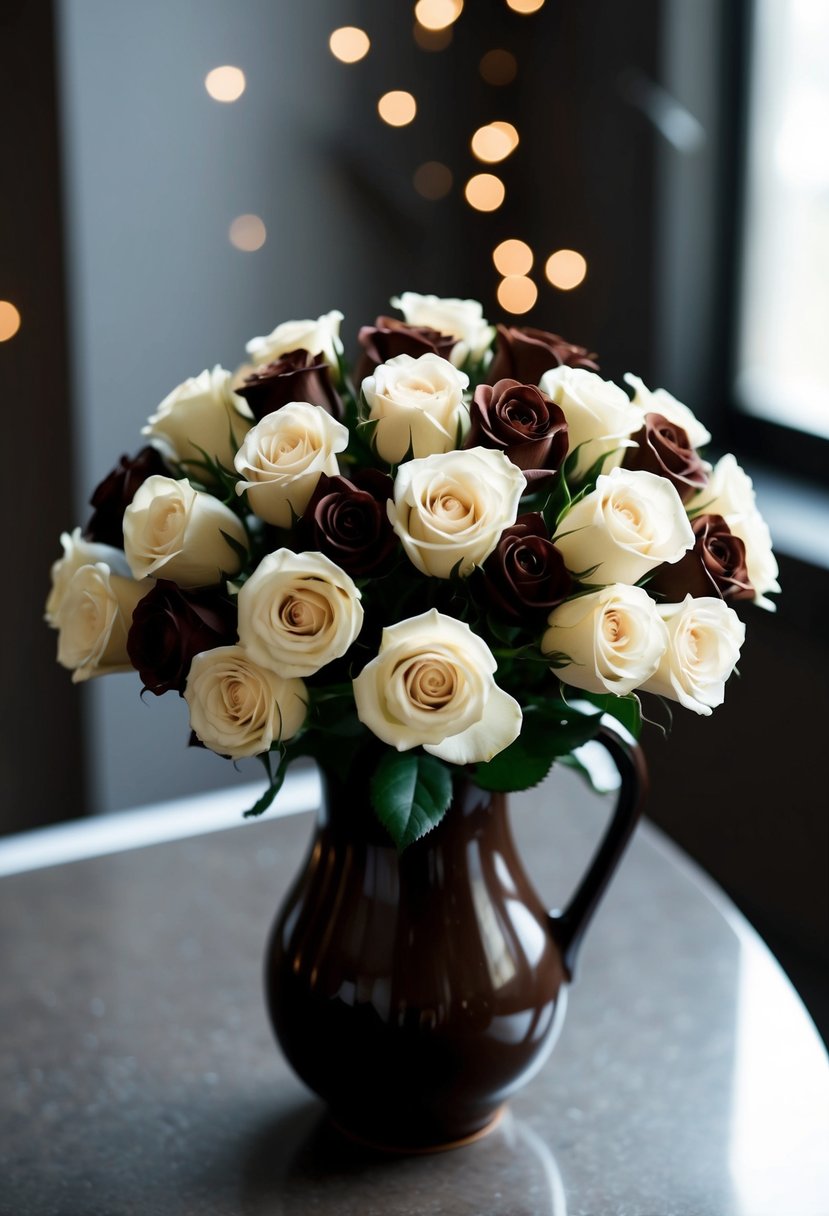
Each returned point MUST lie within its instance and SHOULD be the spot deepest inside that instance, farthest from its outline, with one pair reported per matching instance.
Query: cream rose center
(431, 683)
(307, 616)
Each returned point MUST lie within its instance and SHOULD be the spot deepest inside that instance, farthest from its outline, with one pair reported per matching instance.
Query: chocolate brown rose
(525, 576)
(170, 626)
(524, 423)
(526, 354)
(715, 566)
(115, 493)
(388, 337)
(664, 448)
(297, 376)
(347, 521)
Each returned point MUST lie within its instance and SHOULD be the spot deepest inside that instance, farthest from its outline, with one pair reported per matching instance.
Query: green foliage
(410, 793)
(627, 709)
(551, 729)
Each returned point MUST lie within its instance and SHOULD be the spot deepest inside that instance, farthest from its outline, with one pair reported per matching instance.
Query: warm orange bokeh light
(513, 257)
(525, 6)
(565, 269)
(248, 233)
(437, 14)
(485, 192)
(9, 320)
(494, 142)
(498, 67)
(225, 83)
(397, 108)
(517, 294)
(349, 44)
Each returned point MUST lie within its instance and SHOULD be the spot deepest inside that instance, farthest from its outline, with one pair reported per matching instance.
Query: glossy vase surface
(415, 992)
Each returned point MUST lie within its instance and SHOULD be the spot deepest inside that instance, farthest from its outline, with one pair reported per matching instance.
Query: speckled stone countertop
(138, 1074)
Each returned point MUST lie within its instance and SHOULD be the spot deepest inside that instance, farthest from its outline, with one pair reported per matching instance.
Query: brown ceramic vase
(416, 992)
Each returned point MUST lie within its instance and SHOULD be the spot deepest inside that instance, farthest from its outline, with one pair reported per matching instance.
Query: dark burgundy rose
(387, 338)
(523, 422)
(297, 376)
(525, 576)
(170, 625)
(346, 520)
(664, 448)
(715, 566)
(526, 354)
(115, 493)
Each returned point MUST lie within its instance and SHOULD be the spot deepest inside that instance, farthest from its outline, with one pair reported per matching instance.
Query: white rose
(202, 415)
(451, 508)
(432, 684)
(173, 531)
(600, 415)
(730, 493)
(704, 640)
(238, 708)
(282, 458)
(632, 522)
(94, 619)
(608, 641)
(660, 401)
(78, 552)
(297, 612)
(417, 404)
(320, 337)
(462, 320)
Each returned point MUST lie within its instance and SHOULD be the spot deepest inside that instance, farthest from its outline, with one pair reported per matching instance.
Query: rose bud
(525, 576)
(462, 320)
(170, 626)
(320, 335)
(526, 354)
(115, 493)
(389, 337)
(663, 447)
(346, 519)
(715, 566)
(296, 376)
(524, 423)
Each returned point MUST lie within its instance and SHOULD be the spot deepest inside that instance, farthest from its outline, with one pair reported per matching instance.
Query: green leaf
(551, 728)
(627, 709)
(262, 804)
(410, 794)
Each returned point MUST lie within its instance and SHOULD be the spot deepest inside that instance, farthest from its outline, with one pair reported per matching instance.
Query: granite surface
(138, 1074)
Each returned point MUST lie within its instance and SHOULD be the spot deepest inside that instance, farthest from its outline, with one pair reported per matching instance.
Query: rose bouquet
(456, 560)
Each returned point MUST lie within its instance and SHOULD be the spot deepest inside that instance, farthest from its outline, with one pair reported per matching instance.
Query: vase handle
(568, 927)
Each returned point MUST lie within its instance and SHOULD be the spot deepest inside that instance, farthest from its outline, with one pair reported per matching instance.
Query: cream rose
(432, 684)
(704, 640)
(173, 531)
(78, 552)
(417, 404)
(202, 415)
(460, 319)
(660, 401)
(320, 337)
(282, 458)
(608, 641)
(450, 509)
(600, 416)
(730, 493)
(297, 612)
(238, 708)
(94, 618)
(632, 522)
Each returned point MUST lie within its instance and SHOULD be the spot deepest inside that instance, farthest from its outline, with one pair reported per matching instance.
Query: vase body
(414, 992)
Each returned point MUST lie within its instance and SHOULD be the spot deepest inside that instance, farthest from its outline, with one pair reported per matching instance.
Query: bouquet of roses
(455, 561)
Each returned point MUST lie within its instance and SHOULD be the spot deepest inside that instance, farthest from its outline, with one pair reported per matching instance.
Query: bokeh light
(565, 269)
(248, 233)
(525, 6)
(349, 44)
(513, 257)
(397, 108)
(225, 83)
(494, 142)
(498, 67)
(432, 40)
(9, 320)
(437, 14)
(516, 293)
(485, 192)
(433, 180)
